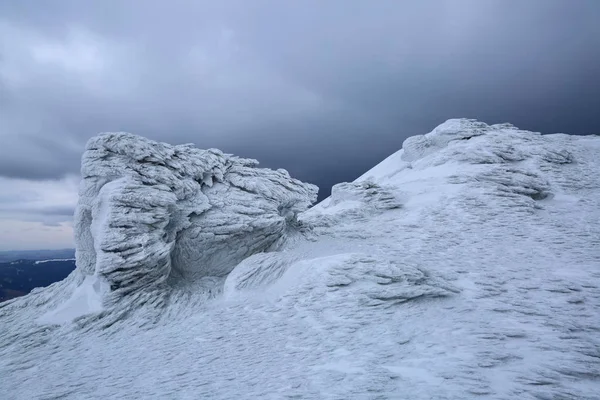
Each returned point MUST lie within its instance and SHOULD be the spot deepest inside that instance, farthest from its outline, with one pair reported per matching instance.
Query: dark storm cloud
(323, 89)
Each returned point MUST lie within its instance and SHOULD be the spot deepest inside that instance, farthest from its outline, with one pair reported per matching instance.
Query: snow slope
(466, 265)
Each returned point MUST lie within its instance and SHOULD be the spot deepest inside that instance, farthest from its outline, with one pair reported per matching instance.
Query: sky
(324, 89)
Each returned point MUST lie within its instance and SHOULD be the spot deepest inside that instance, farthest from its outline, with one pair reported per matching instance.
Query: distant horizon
(8, 256)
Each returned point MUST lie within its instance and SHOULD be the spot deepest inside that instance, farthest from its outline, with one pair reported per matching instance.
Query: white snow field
(466, 265)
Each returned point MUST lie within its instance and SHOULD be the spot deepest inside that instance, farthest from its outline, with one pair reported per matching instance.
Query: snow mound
(86, 299)
(356, 279)
(368, 194)
(353, 200)
(417, 147)
(334, 284)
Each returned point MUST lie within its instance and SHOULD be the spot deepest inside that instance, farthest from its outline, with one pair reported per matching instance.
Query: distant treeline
(19, 277)
(8, 256)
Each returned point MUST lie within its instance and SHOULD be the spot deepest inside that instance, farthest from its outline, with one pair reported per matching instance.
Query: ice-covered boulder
(152, 215)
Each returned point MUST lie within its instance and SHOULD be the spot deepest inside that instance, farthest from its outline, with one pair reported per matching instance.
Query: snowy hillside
(466, 265)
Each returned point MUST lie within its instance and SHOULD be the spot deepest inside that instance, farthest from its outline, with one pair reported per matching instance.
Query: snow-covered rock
(465, 265)
(152, 216)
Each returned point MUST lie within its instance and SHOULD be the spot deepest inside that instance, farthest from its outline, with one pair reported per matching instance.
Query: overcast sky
(324, 89)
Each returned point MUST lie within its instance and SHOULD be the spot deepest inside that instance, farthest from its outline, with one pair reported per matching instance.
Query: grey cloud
(60, 211)
(51, 223)
(29, 213)
(323, 89)
(12, 198)
(47, 220)
(36, 158)
(51, 203)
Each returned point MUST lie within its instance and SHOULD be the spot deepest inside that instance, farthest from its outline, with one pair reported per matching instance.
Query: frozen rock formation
(151, 214)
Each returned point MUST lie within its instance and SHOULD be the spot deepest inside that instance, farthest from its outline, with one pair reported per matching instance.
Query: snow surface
(53, 260)
(86, 299)
(466, 265)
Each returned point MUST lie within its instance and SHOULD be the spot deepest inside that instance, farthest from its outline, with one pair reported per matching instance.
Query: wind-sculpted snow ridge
(465, 265)
(356, 201)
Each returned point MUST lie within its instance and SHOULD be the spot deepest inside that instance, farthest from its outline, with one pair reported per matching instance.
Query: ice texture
(465, 265)
(152, 216)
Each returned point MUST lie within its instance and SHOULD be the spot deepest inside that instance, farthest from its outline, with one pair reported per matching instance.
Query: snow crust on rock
(465, 265)
(154, 217)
